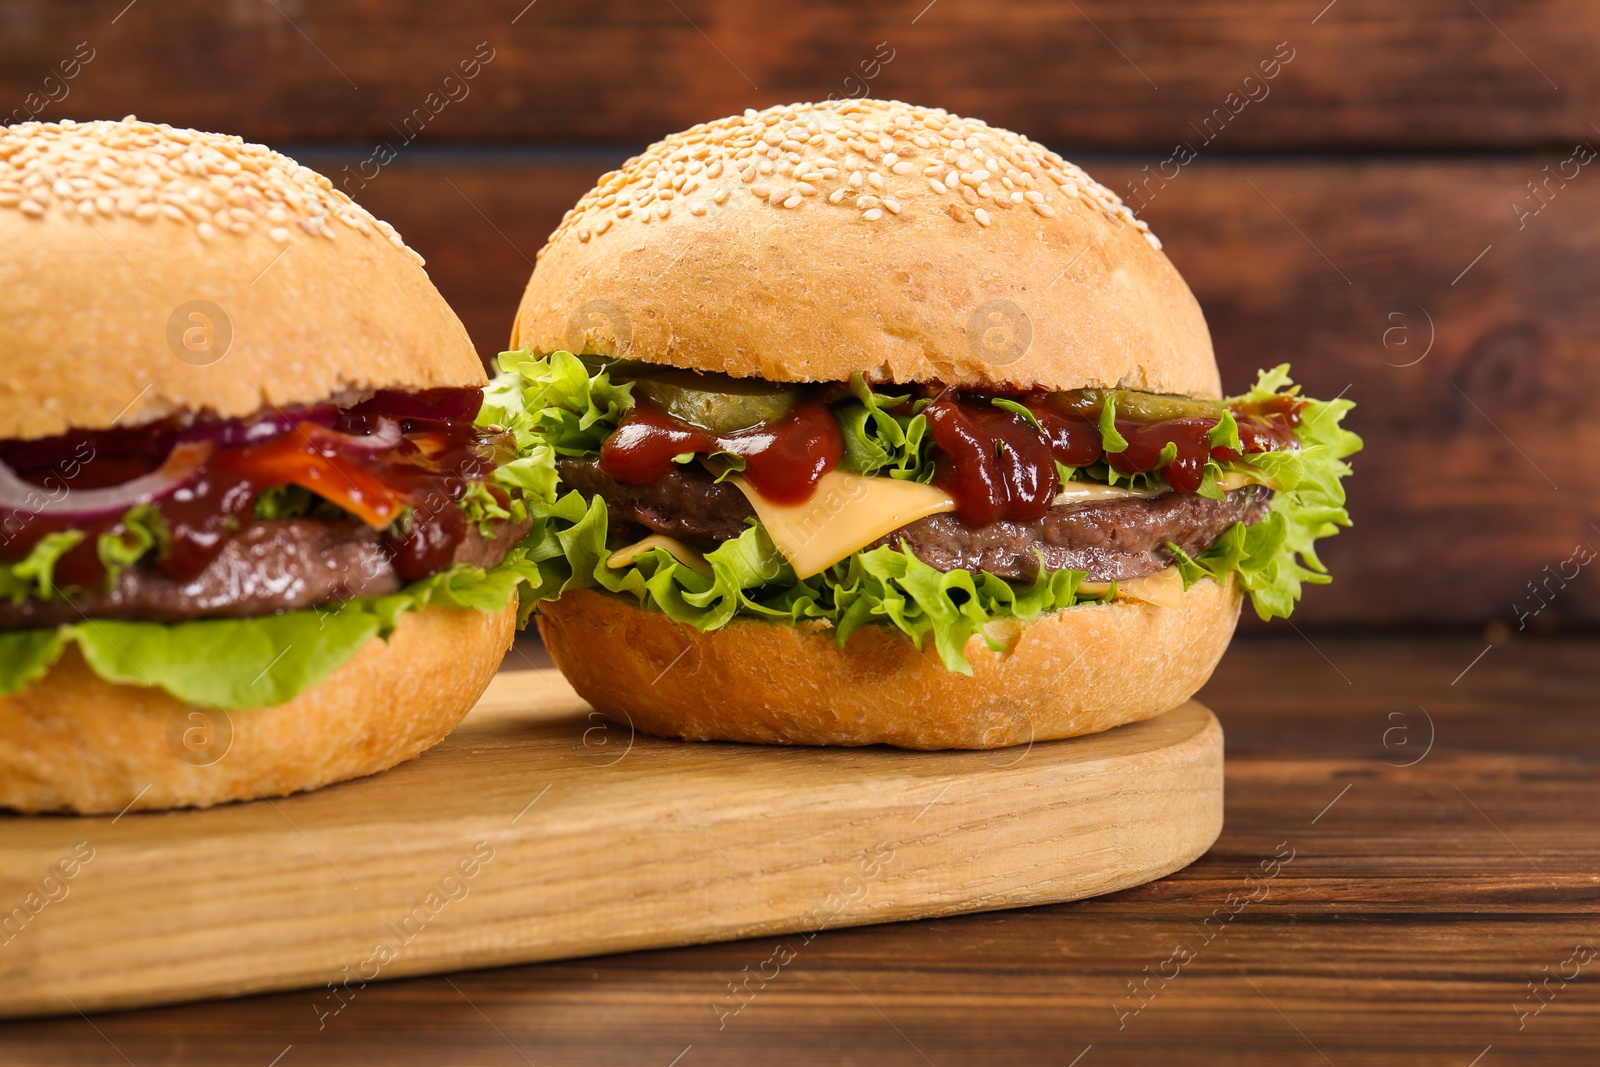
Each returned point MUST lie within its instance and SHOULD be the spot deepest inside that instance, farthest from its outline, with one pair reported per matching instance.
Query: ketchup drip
(1146, 441)
(995, 464)
(783, 461)
(440, 455)
(998, 466)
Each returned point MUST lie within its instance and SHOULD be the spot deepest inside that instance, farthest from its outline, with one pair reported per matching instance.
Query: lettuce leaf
(554, 406)
(884, 434)
(260, 661)
(34, 574)
(1277, 556)
(557, 406)
(751, 578)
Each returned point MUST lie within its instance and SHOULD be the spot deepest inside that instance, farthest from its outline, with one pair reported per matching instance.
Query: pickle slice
(1144, 407)
(720, 403)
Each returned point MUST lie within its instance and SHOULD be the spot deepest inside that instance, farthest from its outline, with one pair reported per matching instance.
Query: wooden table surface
(1431, 804)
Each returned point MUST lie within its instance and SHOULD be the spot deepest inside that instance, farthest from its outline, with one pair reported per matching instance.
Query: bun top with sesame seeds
(147, 271)
(808, 242)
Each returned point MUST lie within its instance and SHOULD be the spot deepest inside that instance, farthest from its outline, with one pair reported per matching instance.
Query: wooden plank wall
(1402, 209)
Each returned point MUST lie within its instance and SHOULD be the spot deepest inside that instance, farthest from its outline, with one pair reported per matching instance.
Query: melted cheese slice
(675, 548)
(1090, 492)
(1163, 589)
(847, 512)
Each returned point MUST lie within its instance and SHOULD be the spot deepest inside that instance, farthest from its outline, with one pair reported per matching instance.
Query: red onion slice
(83, 505)
(385, 435)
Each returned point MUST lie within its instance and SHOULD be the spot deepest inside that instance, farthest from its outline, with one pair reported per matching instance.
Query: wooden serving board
(539, 830)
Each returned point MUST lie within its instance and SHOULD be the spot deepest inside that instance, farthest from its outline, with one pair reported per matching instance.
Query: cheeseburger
(869, 423)
(254, 537)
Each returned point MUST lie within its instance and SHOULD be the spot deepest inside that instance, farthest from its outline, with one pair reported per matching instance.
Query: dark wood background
(1363, 220)
(1369, 220)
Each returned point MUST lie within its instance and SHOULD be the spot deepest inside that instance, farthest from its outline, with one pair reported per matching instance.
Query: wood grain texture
(1419, 904)
(1364, 74)
(1474, 376)
(540, 831)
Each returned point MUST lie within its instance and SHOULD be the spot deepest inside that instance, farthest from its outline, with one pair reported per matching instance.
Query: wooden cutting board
(539, 830)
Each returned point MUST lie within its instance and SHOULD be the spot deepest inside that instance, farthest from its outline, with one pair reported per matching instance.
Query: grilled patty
(1112, 540)
(268, 567)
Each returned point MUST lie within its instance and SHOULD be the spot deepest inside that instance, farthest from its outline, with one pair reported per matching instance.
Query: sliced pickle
(1144, 407)
(720, 403)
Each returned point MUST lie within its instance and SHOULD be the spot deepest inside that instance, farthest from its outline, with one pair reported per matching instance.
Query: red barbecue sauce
(997, 466)
(783, 461)
(441, 453)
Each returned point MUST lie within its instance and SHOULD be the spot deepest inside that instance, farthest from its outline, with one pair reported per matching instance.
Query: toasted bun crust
(1072, 672)
(109, 229)
(808, 242)
(74, 742)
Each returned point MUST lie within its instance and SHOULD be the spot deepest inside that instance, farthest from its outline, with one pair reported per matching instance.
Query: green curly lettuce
(259, 661)
(559, 406)
(1277, 556)
(750, 577)
(884, 434)
(555, 406)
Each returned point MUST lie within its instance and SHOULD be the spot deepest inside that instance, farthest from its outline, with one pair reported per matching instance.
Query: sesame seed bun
(74, 742)
(114, 235)
(808, 242)
(1071, 672)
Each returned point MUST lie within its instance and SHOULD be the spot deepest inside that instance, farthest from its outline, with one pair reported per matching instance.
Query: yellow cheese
(1232, 480)
(847, 512)
(1163, 589)
(679, 551)
(1089, 492)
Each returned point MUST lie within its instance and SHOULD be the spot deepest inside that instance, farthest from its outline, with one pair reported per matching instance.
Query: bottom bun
(1072, 672)
(75, 742)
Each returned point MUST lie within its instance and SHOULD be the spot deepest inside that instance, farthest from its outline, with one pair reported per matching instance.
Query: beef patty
(268, 567)
(1112, 540)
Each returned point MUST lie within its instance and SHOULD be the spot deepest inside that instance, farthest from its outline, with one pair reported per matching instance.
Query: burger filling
(933, 510)
(224, 541)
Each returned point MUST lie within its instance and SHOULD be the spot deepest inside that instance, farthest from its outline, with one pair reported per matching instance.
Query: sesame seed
(857, 144)
(873, 214)
(32, 207)
(982, 216)
(696, 208)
